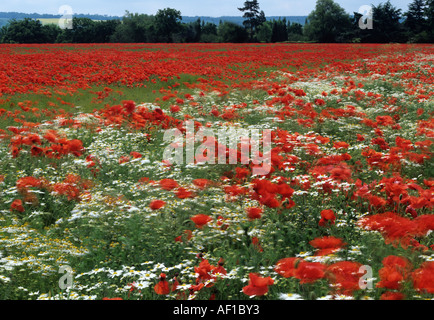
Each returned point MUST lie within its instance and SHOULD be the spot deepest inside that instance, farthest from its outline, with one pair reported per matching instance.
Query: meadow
(91, 209)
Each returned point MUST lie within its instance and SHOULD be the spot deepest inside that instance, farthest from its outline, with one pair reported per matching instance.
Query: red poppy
(201, 219)
(129, 106)
(254, 213)
(258, 286)
(168, 184)
(327, 217)
(183, 193)
(219, 269)
(26, 182)
(345, 276)
(340, 145)
(202, 183)
(308, 272)
(204, 271)
(395, 270)
(286, 267)
(162, 287)
(135, 154)
(156, 204)
(326, 245)
(423, 278)
(392, 295)
(17, 205)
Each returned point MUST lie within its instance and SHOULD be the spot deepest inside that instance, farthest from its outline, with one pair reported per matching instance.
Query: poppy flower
(326, 245)
(219, 269)
(162, 287)
(340, 145)
(129, 106)
(203, 271)
(183, 193)
(26, 182)
(423, 278)
(345, 275)
(201, 219)
(17, 205)
(327, 217)
(395, 270)
(254, 213)
(286, 267)
(168, 184)
(156, 204)
(258, 286)
(392, 295)
(135, 154)
(308, 272)
(202, 183)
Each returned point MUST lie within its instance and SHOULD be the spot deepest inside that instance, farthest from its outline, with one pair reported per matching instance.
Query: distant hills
(6, 16)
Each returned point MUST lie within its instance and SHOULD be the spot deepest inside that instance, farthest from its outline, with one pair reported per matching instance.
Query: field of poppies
(91, 207)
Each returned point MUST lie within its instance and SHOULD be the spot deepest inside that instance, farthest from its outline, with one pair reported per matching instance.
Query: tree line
(328, 22)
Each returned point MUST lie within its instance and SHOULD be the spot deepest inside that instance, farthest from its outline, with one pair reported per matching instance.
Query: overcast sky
(187, 7)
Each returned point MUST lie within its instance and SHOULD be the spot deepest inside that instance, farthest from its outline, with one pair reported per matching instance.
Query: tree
(295, 31)
(24, 31)
(264, 32)
(83, 30)
(328, 22)
(167, 22)
(429, 11)
(136, 28)
(208, 32)
(230, 32)
(386, 24)
(253, 16)
(279, 31)
(416, 21)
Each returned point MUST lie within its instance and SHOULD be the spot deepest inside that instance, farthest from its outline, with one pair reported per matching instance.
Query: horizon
(192, 8)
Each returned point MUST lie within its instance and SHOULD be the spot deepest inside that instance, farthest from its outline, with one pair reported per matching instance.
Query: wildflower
(162, 287)
(395, 270)
(392, 295)
(254, 213)
(308, 272)
(17, 205)
(129, 106)
(202, 183)
(258, 286)
(168, 184)
(327, 217)
(201, 219)
(286, 267)
(345, 275)
(326, 245)
(156, 204)
(423, 278)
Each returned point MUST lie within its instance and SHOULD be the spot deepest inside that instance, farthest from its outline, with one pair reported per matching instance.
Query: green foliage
(253, 16)
(327, 22)
(232, 33)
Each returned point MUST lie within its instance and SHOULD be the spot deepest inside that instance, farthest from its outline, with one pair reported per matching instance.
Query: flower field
(344, 209)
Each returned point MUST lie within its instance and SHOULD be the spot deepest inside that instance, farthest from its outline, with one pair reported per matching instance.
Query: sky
(210, 8)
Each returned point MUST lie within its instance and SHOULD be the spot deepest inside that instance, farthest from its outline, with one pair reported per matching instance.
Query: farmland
(342, 211)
